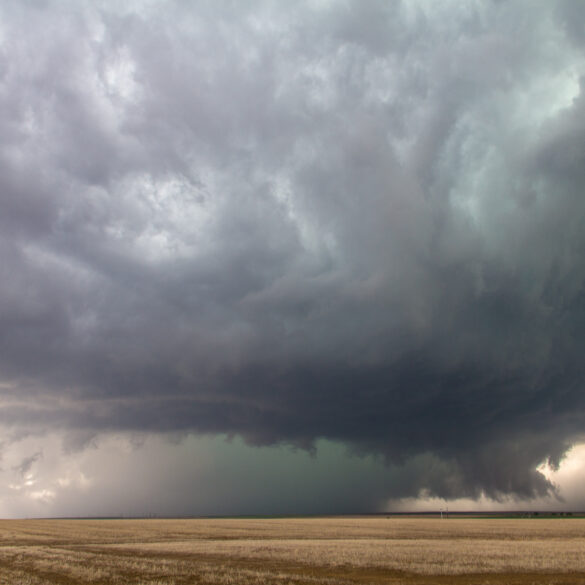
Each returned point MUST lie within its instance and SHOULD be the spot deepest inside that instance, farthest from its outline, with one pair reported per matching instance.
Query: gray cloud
(26, 464)
(361, 223)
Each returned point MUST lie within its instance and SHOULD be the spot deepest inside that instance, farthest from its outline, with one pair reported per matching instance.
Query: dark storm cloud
(358, 222)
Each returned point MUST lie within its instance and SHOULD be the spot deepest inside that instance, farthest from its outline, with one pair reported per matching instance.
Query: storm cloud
(360, 222)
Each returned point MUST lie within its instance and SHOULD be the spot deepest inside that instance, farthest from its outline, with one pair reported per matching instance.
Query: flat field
(327, 551)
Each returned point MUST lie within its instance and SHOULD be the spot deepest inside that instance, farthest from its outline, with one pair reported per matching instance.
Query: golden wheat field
(320, 551)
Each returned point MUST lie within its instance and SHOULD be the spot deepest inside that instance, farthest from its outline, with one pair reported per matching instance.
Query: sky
(315, 257)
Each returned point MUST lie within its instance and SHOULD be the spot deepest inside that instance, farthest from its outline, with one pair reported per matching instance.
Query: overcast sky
(317, 256)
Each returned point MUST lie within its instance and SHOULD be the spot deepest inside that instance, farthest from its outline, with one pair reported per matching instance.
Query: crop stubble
(320, 551)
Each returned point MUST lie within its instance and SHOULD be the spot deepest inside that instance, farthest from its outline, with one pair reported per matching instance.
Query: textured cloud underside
(357, 221)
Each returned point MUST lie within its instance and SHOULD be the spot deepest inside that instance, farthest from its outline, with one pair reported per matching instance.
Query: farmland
(320, 551)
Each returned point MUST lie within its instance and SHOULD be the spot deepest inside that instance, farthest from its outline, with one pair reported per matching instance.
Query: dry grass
(320, 551)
